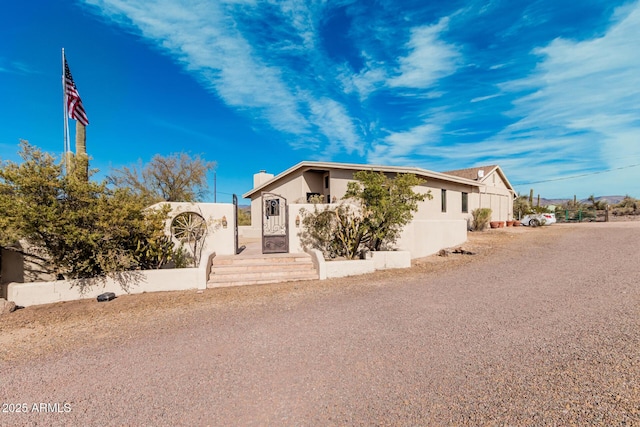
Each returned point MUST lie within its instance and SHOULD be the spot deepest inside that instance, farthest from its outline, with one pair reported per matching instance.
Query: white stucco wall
(219, 238)
(426, 237)
(35, 293)
(419, 237)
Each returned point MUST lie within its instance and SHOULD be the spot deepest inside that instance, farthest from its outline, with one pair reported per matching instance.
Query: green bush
(335, 231)
(481, 218)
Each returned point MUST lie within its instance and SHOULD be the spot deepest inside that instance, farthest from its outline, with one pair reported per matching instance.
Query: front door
(275, 224)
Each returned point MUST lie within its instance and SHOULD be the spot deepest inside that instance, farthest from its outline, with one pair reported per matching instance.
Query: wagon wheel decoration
(188, 227)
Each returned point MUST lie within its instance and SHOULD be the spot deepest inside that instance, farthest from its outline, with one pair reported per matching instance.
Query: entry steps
(238, 270)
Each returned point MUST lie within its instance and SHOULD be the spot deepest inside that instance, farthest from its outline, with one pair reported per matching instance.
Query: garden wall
(130, 282)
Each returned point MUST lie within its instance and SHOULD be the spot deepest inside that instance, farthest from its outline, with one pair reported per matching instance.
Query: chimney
(261, 177)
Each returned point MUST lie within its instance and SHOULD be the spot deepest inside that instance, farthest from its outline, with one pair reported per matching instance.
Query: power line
(578, 176)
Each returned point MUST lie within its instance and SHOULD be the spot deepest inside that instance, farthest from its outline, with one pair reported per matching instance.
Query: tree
(372, 214)
(336, 231)
(83, 228)
(521, 206)
(244, 216)
(174, 178)
(597, 204)
(387, 205)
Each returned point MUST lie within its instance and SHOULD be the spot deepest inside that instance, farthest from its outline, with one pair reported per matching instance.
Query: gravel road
(545, 331)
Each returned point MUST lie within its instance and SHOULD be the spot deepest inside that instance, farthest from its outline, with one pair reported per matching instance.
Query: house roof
(472, 173)
(308, 165)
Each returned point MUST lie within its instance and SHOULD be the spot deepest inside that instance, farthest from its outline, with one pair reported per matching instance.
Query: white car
(535, 220)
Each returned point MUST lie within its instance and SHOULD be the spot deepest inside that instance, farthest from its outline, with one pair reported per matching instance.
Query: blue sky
(547, 89)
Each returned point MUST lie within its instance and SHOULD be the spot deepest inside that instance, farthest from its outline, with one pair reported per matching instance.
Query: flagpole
(66, 121)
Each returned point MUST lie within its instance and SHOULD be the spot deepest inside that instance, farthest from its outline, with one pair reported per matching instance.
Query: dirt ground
(540, 327)
(38, 330)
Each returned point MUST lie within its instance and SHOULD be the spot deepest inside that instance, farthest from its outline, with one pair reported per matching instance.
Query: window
(326, 181)
(443, 194)
(465, 202)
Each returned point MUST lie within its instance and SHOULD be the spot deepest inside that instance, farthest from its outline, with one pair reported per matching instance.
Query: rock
(443, 252)
(462, 251)
(7, 307)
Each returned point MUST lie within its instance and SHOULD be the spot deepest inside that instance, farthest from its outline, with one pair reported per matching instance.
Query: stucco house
(438, 223)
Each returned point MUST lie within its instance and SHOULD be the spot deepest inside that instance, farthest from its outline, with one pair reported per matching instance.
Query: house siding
(431, 228)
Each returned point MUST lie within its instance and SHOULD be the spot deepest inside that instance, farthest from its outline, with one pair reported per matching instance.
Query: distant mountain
(612, 200)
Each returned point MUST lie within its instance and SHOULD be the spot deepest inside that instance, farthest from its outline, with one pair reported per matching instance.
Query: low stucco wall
(377, 261)
(426, 237)
(385, 260)
(349, 268)
(134, 282)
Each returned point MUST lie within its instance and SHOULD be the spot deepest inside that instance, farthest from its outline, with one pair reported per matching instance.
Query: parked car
(535, 220)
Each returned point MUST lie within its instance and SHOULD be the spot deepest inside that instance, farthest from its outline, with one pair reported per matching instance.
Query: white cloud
(578, 114)
(400, 146)
(15, 67)
(484, 98)
(333, 121)
(207, 38)
(371, 78)
(429, 58)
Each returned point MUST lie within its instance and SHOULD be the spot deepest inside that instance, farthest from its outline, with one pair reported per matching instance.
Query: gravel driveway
(545, 330)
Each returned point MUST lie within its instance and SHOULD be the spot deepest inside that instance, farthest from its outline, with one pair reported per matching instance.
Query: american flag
(74, 103)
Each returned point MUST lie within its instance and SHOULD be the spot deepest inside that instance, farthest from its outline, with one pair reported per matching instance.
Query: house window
(443, 194)
(465, 202)
(326, 181)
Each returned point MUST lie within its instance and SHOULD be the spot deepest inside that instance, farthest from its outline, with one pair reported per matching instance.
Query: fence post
(606, 214)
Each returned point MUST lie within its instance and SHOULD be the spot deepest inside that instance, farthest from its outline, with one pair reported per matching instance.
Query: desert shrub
(316, 199)
(376, 209)
(481, 217)
(335, 231)
(244, 217)
(627, 206)
(521, 206)
(82, 228)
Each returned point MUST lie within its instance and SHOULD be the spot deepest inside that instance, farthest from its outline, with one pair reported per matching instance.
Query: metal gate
(275, 224)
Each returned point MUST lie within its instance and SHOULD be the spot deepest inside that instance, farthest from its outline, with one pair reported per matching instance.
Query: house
(442, 222)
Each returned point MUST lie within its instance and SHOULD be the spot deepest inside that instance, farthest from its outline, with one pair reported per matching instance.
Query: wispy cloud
(208, 40)
(398, 147)
(417, 87)
(429, 58)
(484, 98)
(583, 98)
(15, 67)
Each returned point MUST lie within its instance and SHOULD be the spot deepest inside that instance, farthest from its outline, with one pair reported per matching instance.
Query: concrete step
(255, 282)
(260, 269)
(246, 268)
(259, 274)
(277, 260)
